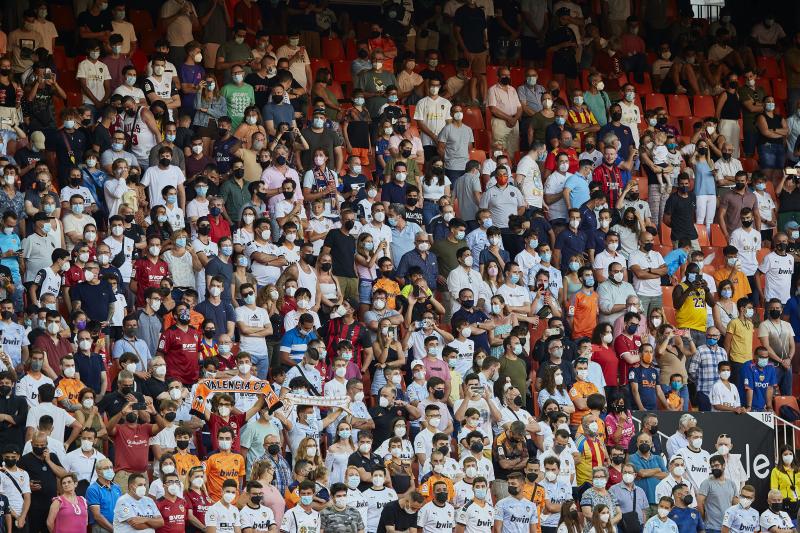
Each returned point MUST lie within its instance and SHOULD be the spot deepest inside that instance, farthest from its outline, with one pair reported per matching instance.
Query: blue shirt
(792, 310)
(220, 314)
(648, 484)
(758, 380)
(687, 519)
(624, 135)
(429, 266)
(704, 184)
(588, 216)
(655, 525)
(90, 367)
(11, 242)
(675, 259)
(296, 343)
(571, 243)
(278, 113)
(394, 193)
(403, 240)
(647, 380)
(105, 497)
(578, 190)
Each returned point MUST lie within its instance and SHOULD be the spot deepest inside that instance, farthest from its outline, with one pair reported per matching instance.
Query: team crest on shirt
(761, 377)
(182, 509)
(637, 343)
(692, 515)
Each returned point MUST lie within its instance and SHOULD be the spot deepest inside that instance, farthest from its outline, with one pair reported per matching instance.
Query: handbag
(630, 521)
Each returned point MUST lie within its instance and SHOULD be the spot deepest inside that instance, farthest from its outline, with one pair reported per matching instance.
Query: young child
(674, 400)
(643, 379)
(677, 258)
(364, 206)
(662, 159)
(725, 395)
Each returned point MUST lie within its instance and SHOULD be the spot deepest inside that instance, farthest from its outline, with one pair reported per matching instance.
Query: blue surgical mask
(480, 494)
(514, 279)
(49, 208)
(201, 191)
(227, 251)
(726, 293)
(318, 122)
(117, 147)
(574, 266)
(172, 198)
(250, 299)
(487, 222)
(306, 500)
(130, 80)
(170, 137)
(763, 362)
(560, 121)
(691, 277)
(545, 257)
(712, 342)
(460, 235)
(180, 242)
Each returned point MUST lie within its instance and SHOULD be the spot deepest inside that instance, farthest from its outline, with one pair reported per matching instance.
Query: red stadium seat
(342, 72)
(780, 401)
(477, 155)
(764, 84)
(677, 105)
(717, 238)
(646, 87)
(666, 234)
(317, 64)
(770, 66)
(779, 90)
(702, 235)
(703, 105)
(654, 100)
(64, 15)
(473, 117)
(332, 48)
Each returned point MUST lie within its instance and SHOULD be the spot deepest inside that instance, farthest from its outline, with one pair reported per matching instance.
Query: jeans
(771, 155)
(429, 210)
(261, 362)
(785, 380)
(754, 291)
(750, 136)
(736, 379)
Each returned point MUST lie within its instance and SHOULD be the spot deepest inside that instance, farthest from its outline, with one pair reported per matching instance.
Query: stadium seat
(653, 100)
(669, 314)
(478, 155)
(703, 105)
(717, 238)
(646, 87)
(342, 72)
(780, 401)
(643, 188)
(770, 67)
(473, 117)
(141, 20)
(332, 48)
(677, 105)
(749, 164)
(517, 76)
(666, 234)
(317, 64)
(761, 254)
(702, 235)
(481, 139)
(666, 294)
(764, 84)
(64, 16)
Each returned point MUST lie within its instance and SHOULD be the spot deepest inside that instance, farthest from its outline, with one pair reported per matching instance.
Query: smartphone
(791, 171)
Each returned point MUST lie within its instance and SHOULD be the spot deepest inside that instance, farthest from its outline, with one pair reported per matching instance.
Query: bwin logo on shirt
(520, 519)
(444, 525)
(694, 468)
(483, 523)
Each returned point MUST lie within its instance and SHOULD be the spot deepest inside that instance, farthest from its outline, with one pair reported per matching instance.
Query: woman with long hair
(268, 298)
(655, 317)
(197, 500)
(604, 355)
(245, 232)
(241, 275)
(366, 256)
(308, 450)
(159, 224)
(88, 416)
(322, 89)
(399, 468)
(601, 520)
(571, 521)
(503, 321)
(724, 309)
(166, 465)
(572, 282)
(339, 452)
(553, 387)
(619, 422)
(387, 351)
(400, 431)
(434, 185)
(209, 108)
(209, 347)
(251, 125)
(704, 184)
(182, 261)
(672, 352)
(264, 473)
(69, 512)
(785, 476)
(329, 293)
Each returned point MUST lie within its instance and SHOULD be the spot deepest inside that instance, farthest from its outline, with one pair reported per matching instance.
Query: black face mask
(632, 196)
(126, 390)
(776, 507)
(277, 99)
(747, 223)
(683, 189)
(617, 460)
(39, 450)
(716, 472)
(648, 246)
(531, 476)
(182, 444)
(273, 449)
(223, 132)
(170, 417)
(774, 314)
(476, 447)
(238, 173)
(441, 497)
(704, 151)
(131, 418)
(687, 500)
(209, 333)
(10, 463)
(280, 160)
(374, 34)
(5, 71)
(644, 448)
(326, 267)
(781, 247)
(727, 156)
(518, 401)
(128, 218)
(467, 304)
(265, 164)
(653, 429)
(505, 80)
(616, 117)
(513, 491)
(288, 195)
(438, 394)
(255, 500)
(739, 186)
(406, 153)
(444, 450)
(5, 390)
(362, 53)
(349, 225)
(411, 202)
(6, 315)
(554, 92)
(204, 230)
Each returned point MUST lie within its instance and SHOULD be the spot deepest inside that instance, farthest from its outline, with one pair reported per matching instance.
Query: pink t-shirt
(436, 367)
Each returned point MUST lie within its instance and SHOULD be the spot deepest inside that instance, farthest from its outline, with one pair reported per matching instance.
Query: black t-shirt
(683, 211)
(394, 515)
(40, 471)
(414, 215)
(24, 157)
(153, 387)
(325, 140)
(367, 463)
(429, 75)
(102, 138)
(343, 249)
(113, 402)
(383, 418)
(509, 11)
(262, 86)
(472, 23)
(789, 201)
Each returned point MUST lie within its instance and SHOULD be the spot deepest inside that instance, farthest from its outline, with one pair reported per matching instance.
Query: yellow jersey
(692, 314)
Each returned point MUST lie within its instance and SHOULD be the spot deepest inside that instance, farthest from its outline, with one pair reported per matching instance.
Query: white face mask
(723, 449)
(679, 470)
(168, 469)
(131, 367)
(140, 491)
(88, 403)
(229, 497)
(628, 478)
(225, 445)
(378, 481)
(69, 372)
(663, 512)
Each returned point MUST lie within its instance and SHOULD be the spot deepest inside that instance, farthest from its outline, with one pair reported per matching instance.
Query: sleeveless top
(71, 517)
(692, 314)
(142, 139)
(731, 109)
(772, 124)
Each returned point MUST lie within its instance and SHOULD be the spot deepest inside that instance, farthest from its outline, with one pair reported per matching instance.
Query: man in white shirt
(158, 177)
(94, 78)
(607, 256)
(678, 475)
(61, 418)
(695, 458)
(529, 176)
(778, 268)
(431, 114)
(631, 115)
(727, 167)
(747, 241)
(224, 516)
(554, 189)
(462, 277)
(254, 326)
(647, 267)
(437, 516)
(83, 460)
(15, 486)
(137, 506)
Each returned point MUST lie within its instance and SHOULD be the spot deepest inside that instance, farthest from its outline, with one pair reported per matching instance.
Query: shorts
(364, 291)
(478, 63)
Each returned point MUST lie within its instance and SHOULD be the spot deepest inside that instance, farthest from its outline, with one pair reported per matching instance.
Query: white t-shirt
(466, 352)
(376, 501)
(555, 185)
(29, 388)
(722, 395)
(748, 243)
(223, 518)
(264, 274)
(434, 519)
(259, 519)
(434, 113)
(155, 179)
(651, 259)
(256, 318)
(95, 73)
(779, 270)
(473, 517)
(357, 501)
(531, 184)
(10, 491)
(765, 206)
(434, 191)
(61, 418)
(515, 296)
(604, 258)
(697, 467)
